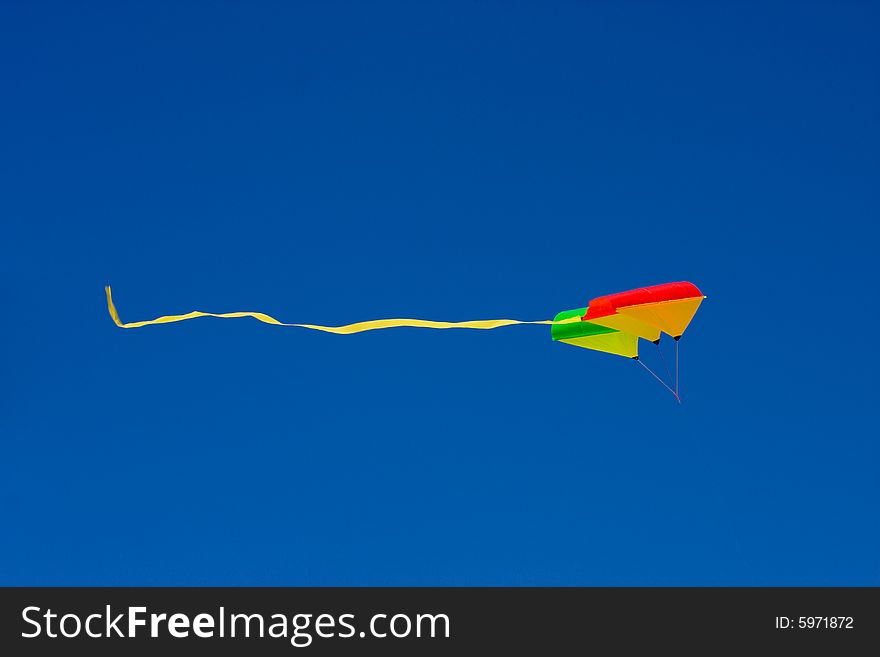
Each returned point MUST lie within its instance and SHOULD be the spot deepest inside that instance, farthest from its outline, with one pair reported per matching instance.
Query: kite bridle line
(654, 374)
(662, 382)
(676, 369)
(665, 366)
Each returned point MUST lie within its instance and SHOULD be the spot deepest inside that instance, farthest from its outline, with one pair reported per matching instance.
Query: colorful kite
(613, 323)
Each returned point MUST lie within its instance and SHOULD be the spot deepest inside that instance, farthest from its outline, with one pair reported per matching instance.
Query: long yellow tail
(348, 329)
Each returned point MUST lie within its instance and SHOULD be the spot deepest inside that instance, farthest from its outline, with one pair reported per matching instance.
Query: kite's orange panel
(609, 304)
(671, 317)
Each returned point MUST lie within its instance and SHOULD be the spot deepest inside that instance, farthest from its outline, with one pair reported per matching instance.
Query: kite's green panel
(592, 336)
(576, 329)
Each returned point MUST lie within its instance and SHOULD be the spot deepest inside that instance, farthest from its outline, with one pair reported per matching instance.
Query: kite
(613, 324)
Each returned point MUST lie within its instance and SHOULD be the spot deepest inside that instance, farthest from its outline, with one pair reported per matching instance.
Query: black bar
(537, 621)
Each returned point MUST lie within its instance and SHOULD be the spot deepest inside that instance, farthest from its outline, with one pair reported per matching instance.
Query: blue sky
(334, 162)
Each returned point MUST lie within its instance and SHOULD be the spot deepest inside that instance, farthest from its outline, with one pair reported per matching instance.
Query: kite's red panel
(608, 305)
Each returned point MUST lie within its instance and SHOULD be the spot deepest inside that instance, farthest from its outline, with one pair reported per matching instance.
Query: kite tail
(348, 329)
